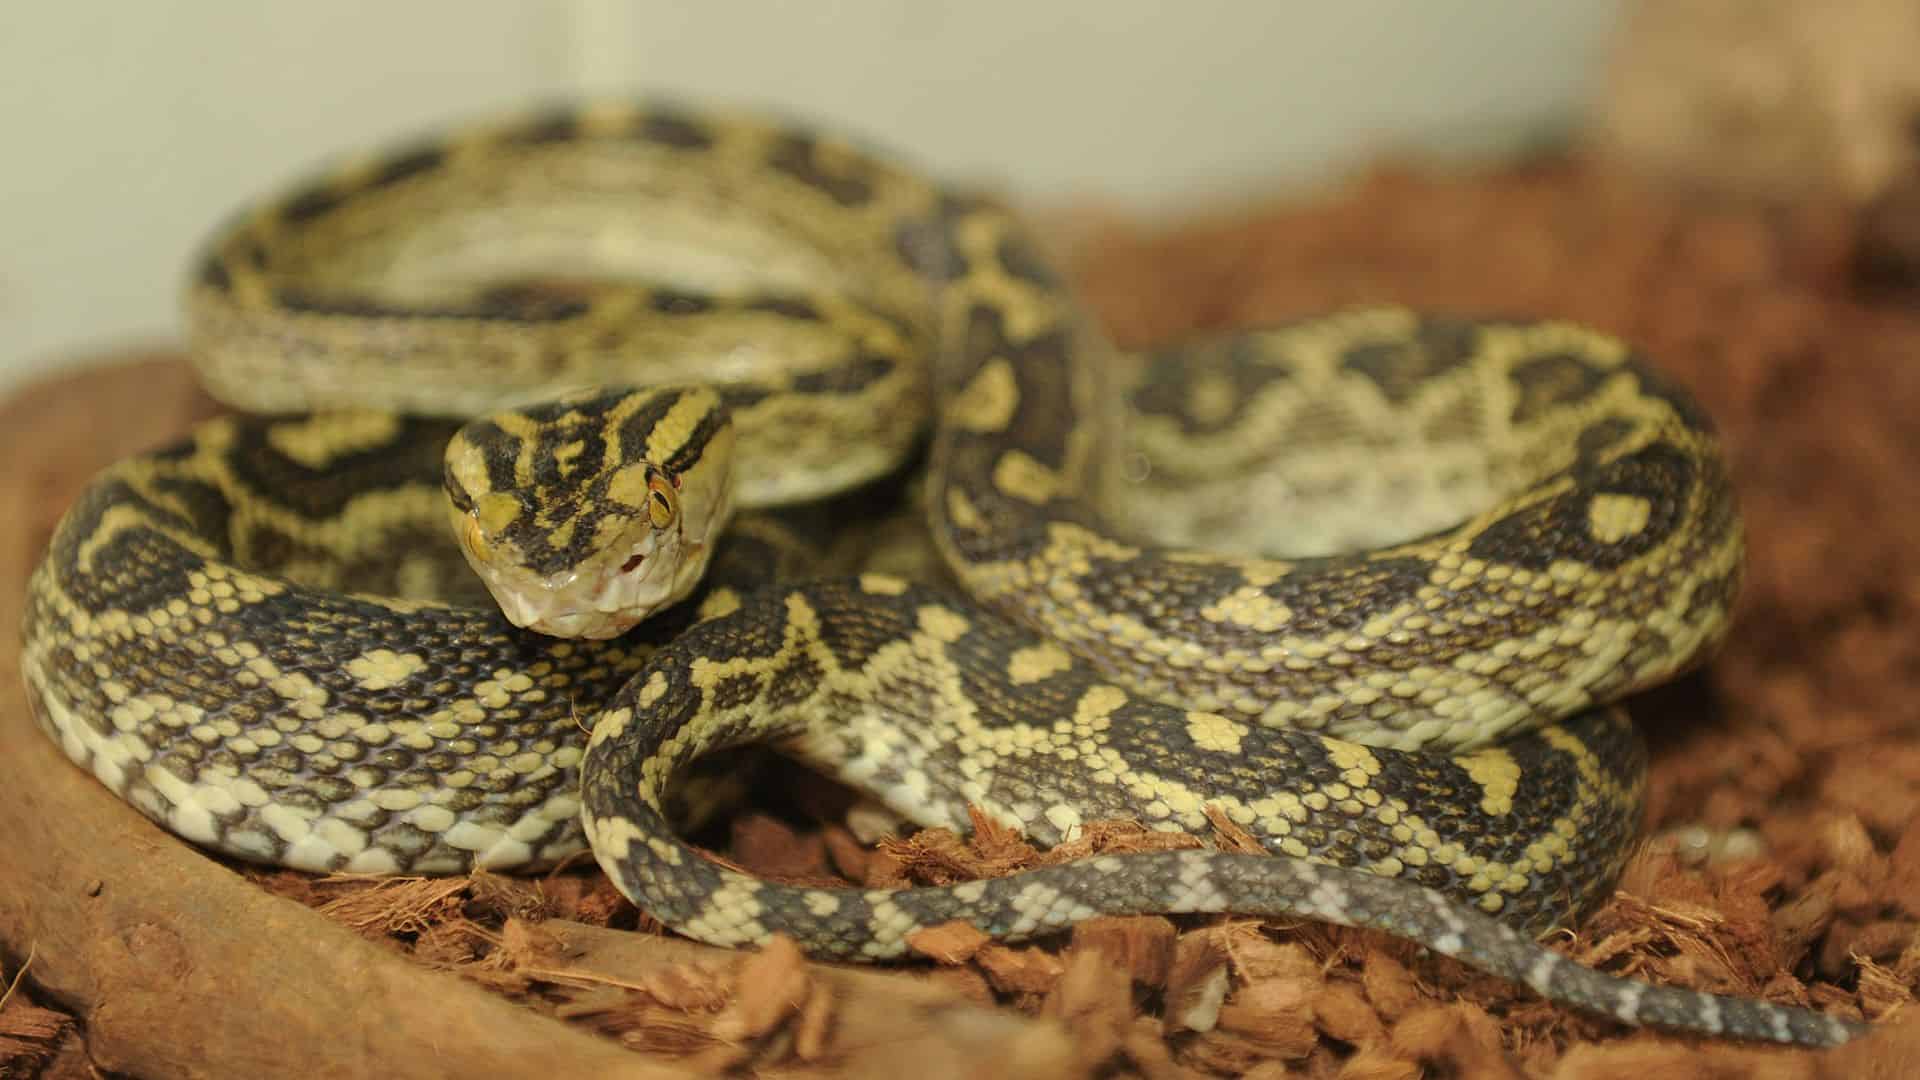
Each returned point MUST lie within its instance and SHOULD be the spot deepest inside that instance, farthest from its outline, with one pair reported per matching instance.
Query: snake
(1369, 585)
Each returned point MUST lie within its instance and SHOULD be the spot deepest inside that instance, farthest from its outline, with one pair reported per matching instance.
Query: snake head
(587, 513)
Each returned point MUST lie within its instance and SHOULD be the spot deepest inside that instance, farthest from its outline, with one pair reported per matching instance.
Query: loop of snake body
(1487, 531)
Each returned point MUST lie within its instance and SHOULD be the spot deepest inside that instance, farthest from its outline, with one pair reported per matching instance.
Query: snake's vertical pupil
(662, 506)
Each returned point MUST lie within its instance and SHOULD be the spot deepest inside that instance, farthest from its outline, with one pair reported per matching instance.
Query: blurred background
(131, 129)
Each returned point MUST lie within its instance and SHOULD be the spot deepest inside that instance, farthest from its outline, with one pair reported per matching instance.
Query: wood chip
(1461, 1036)
(1343, 1012)
(1225, 1053)
(1379, 1063)
(968, 981)
(1140, 945)
(1258, 959)
(382, 907)
(772, 986)
(1903, 884)
(1643, 1058)
(770, 848)
(1147, 1049)
(811, 1032)
(949, 943)
(1094, 1000)
(847, 856)
(1389, 985)
(1013, 969)
(1277, 1013)
(30, 1036)
(1197, 982)
(1229, 836)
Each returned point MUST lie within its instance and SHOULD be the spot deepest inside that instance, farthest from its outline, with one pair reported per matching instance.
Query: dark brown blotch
(1020, 257)
(1554, 380)
(310, 204)
(213, 273)
(1656, 384)
(552, 127)
(1539, 535)
(1400, 368)
(1167, 379)
(510, 303)
(795, 155)
(408, 164)
(675, 130)
(926, 243)
(534, 302)
(674, 302)
(848, 378)
(1601, 436)
(788, 307)
(307, 301)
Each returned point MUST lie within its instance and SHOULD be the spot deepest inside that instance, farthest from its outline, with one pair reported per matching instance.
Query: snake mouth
(617, 588)
(603, 598)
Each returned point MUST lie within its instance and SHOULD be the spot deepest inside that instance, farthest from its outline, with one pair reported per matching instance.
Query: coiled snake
(260, 637)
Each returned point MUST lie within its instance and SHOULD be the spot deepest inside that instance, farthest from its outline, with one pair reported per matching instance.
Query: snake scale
(1441, 549)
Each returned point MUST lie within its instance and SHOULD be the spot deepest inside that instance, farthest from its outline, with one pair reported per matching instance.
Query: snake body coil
(262, 639)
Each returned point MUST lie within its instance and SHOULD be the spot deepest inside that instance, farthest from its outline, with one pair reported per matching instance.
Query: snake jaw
(646, 570)
(587, 513)
(603, 598)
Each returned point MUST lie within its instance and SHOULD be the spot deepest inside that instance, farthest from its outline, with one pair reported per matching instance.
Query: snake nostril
(632, 564)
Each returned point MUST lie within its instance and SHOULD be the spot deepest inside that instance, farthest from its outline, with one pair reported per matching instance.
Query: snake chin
(618, 589)
(588, 513)
(606, 599)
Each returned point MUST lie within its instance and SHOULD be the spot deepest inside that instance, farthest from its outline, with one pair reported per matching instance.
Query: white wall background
(128, 129)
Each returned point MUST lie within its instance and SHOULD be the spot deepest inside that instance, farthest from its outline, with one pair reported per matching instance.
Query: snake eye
(472, 536)
(663, 504)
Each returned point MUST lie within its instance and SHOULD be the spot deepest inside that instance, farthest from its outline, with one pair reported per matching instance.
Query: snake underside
(1440, 549)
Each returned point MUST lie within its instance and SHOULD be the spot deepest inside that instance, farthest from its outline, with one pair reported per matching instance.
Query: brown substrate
(1784, 787)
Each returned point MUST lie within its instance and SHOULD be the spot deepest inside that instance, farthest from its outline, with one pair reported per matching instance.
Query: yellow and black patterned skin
(264, 638)
(589, 511)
